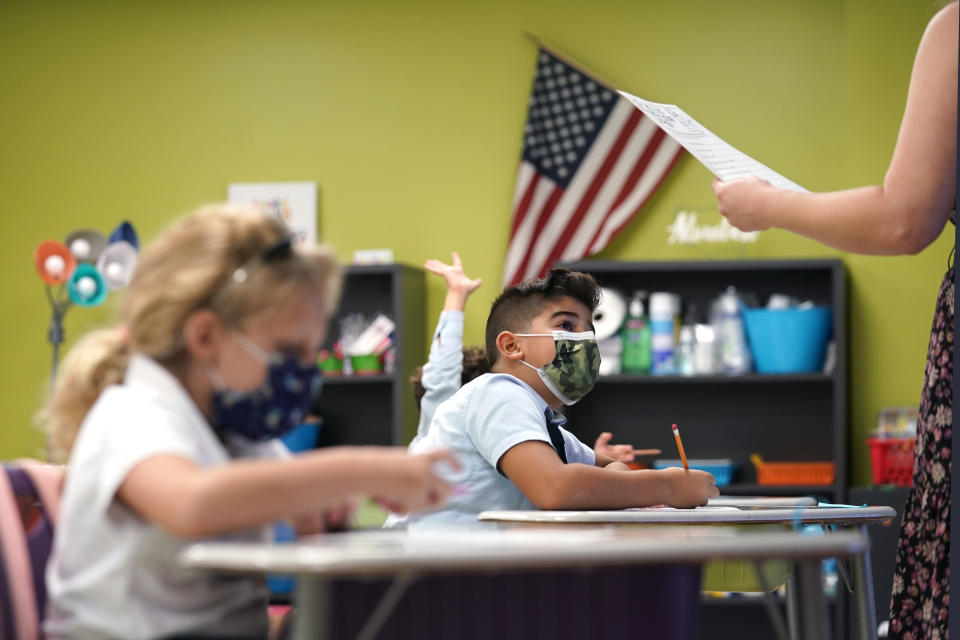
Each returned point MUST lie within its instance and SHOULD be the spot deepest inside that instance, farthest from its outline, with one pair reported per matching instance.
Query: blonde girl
(170, 425)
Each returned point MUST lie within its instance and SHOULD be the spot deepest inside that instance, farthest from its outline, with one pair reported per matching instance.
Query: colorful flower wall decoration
(82, 269)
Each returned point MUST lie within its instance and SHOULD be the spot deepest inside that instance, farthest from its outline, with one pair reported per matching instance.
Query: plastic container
(892, 460)
(686, 354)
(329, 363)
(788, 340)
(793, 473)
(663, 324)
(704, 349)
(721, 468)
(686, 345)
(611, 352)
(303, 437)
(282, 584)
(366, 364)
(741, 575)
(897, 422)
(636, 355)
(733, 355)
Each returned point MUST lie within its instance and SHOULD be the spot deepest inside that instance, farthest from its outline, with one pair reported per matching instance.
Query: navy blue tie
(556, 438)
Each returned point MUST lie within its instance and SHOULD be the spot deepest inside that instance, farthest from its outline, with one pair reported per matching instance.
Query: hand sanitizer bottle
(636, 356)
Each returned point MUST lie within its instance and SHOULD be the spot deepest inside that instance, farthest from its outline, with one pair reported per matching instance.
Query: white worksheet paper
(722, 159)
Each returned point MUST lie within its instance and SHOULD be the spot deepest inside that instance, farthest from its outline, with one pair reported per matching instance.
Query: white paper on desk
(723, 160)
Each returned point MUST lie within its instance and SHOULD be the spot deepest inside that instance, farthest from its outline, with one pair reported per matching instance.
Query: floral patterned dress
(920, 601)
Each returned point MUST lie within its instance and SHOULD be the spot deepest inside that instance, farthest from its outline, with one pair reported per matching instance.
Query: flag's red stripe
(591, 193)
(524, 204)
(544, 216)
(639, 168)
(656, 186)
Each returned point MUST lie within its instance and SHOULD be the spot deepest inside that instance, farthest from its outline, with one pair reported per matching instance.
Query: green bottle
(636, 356)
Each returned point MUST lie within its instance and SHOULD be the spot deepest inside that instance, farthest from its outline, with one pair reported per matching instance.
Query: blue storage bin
(281, 584)
(303, 437)
(788, 340)
(721, 468)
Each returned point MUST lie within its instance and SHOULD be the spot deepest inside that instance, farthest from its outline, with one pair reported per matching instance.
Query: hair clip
(276, 251)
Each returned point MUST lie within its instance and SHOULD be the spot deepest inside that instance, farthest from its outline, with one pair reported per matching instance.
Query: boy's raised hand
(459, 285)
(688, 488)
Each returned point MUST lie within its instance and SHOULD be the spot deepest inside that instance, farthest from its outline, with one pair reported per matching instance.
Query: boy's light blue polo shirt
(482, 421)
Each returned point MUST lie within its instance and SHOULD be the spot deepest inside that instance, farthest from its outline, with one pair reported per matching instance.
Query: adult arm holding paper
(903, 215)
(909, 210)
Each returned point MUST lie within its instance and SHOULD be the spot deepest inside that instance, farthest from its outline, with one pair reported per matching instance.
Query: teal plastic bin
(788, 340)
(721, 468)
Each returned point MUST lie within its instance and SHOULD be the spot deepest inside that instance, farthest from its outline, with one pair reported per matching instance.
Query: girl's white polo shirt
(113, 574)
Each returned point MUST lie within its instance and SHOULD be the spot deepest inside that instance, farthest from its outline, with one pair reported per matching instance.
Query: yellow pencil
(683, 456)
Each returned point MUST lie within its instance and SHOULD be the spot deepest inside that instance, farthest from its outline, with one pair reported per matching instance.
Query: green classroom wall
(409, 115)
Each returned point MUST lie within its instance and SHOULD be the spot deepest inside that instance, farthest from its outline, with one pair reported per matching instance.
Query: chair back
(29, 507)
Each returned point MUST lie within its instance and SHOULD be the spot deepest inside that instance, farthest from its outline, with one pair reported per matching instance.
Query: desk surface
(443, 550)
(701, 515)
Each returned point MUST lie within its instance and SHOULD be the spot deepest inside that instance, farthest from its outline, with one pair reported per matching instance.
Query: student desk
(320, 561)
(749, 514)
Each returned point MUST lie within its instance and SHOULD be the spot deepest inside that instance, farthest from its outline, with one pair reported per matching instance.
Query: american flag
(590, 162)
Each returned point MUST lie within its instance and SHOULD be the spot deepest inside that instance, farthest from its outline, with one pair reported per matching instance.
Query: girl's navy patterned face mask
(278, 405)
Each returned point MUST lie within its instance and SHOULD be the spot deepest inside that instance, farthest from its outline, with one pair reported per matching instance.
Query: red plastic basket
(892, 460)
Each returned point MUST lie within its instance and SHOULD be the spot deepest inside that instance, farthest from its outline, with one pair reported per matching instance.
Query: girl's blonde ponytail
(99, 359)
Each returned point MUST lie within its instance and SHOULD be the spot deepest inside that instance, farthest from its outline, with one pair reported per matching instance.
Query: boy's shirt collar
(553, 415)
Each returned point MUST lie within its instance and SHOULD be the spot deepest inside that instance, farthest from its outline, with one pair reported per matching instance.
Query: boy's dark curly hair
(474, 365)
(518, 305)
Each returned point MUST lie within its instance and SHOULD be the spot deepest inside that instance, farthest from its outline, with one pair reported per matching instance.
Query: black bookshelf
(377, 409)
(784, 417)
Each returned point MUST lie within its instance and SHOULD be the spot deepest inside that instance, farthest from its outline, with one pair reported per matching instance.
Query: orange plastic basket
(787, 473)
(892, 460)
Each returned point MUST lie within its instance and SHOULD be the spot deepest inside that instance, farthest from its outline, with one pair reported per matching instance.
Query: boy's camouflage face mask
(574, 371)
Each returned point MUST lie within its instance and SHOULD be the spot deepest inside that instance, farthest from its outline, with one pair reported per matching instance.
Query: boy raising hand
(505, 429)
